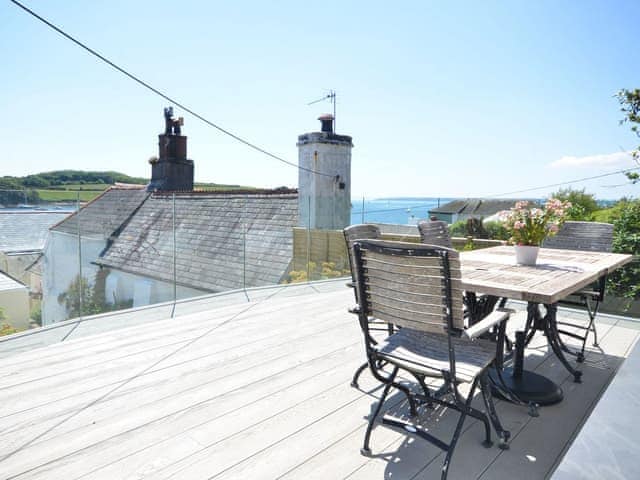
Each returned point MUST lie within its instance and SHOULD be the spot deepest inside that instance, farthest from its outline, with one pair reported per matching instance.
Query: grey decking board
(130, 397)
(267, 341)
(81, 327)
(582, 397)
(333, 304)
(607, 445)
(115, 438)
(291, 380)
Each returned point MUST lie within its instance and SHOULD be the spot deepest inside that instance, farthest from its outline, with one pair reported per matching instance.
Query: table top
(557, 273)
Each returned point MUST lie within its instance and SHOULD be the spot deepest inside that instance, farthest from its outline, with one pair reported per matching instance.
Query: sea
(403, 211)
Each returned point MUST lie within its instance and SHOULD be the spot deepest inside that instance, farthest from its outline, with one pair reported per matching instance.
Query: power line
(163, 95)
(617, 172)
(569, 182)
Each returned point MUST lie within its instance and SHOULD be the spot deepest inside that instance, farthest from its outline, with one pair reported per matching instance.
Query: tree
(630, 102)
(583, 205)
(79, 298)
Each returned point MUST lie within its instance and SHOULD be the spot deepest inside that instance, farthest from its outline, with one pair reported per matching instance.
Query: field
(70, 195)
(88, 191)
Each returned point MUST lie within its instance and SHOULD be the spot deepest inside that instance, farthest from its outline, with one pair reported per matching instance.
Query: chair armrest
(488, 322)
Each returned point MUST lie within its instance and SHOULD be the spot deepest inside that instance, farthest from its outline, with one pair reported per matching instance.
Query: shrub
(458, 229)
(5, 329)
(318, 272)
(625, 281)
(36, 314)
(583, 205)
(611, 214)
(496, 230)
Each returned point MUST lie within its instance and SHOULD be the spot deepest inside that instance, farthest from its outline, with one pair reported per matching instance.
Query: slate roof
(26, 231)
(213, 252)
(475, 206)
(105, 213)
(8, 283)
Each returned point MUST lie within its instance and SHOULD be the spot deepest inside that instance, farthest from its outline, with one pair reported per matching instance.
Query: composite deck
(249, 390)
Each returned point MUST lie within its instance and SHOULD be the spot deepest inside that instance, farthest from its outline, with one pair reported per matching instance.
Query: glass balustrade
(140, 256)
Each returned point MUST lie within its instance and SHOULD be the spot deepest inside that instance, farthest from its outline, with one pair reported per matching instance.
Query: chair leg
(592, 311)
(365, 450)
(485, 388)
(413, 409)
(472, 412)
(356, 376)
(405, 390)
(595, 335)
(425, 388)
(456, 434)
(553, 338)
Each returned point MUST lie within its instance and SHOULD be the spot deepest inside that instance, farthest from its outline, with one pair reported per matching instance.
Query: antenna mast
(332, 98)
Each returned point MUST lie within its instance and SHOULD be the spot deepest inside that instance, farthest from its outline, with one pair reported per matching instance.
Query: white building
(14, 302)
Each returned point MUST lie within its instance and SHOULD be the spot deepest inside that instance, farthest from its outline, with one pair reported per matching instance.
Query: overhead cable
(163, 95)
(617, 172)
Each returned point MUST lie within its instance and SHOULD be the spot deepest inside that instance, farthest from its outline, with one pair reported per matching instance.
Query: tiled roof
(8, 283)
(26, 231)
(473, 206)
(104, 214)
(223, 241)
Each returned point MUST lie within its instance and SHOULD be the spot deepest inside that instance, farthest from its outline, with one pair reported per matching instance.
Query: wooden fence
(328, 246)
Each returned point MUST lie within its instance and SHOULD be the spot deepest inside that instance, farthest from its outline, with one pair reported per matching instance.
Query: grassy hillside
(69, 185)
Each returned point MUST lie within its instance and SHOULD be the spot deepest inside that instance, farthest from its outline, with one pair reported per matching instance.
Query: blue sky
(441, 98)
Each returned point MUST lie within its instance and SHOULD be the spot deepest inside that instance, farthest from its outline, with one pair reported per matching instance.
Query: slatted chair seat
(429, 354)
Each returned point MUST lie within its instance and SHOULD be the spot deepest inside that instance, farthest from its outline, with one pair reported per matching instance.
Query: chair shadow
(410, 456)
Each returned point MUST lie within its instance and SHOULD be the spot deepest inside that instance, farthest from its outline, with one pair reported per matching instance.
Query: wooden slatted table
(557, 274)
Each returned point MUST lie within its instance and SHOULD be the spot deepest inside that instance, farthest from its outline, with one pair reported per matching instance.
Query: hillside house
(457, 210)
(135, 245)
(22, 240)
(14, 302)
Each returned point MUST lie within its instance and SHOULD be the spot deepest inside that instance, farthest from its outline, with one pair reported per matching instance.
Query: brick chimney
(171, 170)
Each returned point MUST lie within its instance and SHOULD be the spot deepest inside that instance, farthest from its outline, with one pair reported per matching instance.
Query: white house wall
(61, 265)
(15, 306)
(120, 286)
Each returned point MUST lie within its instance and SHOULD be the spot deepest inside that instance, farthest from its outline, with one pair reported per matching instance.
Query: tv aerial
(331, 96)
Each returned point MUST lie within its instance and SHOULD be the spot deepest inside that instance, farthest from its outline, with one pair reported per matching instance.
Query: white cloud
(622, 159)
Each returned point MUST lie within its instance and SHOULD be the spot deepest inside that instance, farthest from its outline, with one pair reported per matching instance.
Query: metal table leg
(527, 386)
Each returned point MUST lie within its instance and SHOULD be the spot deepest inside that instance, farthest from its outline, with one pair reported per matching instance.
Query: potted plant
(529, 225)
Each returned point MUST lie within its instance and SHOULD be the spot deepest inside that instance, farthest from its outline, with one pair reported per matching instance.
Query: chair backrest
(410, 285)
(435, 232)
(591, 236)
(356, 232)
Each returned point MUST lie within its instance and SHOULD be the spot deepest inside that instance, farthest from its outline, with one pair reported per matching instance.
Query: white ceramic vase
(526, 254)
